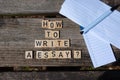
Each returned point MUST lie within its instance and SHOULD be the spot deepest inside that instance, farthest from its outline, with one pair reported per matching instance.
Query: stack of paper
(104, 33)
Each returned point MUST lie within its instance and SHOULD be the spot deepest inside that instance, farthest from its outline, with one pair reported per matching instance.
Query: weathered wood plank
(29, 7)
(111, 2)
(82, 75)
(18, 7)
(18, 35)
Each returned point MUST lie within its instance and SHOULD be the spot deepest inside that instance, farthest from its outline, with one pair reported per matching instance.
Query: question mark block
(77, 54)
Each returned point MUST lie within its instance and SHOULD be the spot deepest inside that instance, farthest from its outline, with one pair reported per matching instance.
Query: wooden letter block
(51, 25)
(48, 34)
(43, 43)
(39, 54)
(48, 44)
(66, 43)
(43, 54)
(55, 34)
(63, 54)
(53, 54)
(28, 54)
(77, 54)
(38, 43)
(45, 23)
(63, 43)
(52, 34)
(67, 54)
(59, 24)
(51, 43)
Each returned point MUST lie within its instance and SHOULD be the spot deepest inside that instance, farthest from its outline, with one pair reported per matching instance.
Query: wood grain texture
(82, 75)
(29, 7)
(18, 35)
(18, 7)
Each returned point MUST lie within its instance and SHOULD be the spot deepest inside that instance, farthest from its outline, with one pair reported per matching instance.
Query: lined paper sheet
(109, 29)
(99, 38)
(83, 12)
(100, 51)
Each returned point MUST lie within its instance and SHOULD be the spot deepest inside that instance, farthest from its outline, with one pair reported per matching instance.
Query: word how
(51, 24)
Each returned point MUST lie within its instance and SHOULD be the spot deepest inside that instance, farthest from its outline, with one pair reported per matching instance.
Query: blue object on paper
(100, 26)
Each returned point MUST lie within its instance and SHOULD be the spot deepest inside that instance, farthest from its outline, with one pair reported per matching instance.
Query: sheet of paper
(100, 51)
(99, 38)
(109, 29)
(83, 12)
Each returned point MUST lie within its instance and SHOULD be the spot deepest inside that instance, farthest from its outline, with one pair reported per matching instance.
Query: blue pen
(98, 20)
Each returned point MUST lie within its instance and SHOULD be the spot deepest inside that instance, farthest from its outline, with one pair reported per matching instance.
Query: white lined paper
(99, 38)
(100, 50)
(83, 12)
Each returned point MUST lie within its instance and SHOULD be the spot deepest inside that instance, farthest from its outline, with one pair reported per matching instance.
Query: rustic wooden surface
(90, 75)
(13, 7)
(17, 35)
(82, 75)
(18, 7)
